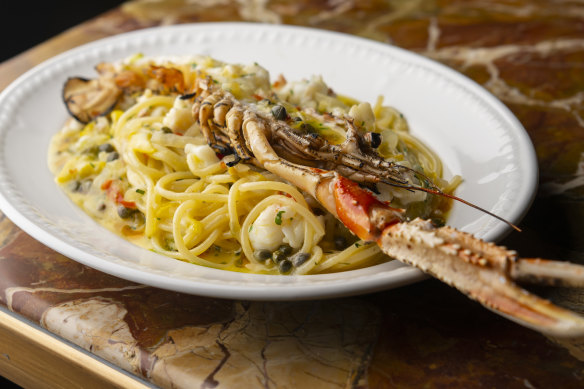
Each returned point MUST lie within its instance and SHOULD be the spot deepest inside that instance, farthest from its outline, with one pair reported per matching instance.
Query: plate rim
(291, 290)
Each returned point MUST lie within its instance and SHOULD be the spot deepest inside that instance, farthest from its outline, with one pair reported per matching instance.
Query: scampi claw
(481, 270)
(337, 176)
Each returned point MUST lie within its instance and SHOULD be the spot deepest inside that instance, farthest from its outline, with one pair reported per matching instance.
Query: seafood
(479, 269)
(343, 177)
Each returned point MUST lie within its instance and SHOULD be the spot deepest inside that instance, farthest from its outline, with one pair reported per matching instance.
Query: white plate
(473, 132)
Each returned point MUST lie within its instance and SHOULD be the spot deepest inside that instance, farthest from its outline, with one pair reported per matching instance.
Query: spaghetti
(145, 171)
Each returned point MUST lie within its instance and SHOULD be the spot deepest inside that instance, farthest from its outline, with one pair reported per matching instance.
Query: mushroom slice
(87, 99)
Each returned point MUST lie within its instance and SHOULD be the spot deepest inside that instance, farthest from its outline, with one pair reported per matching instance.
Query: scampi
(344, 176)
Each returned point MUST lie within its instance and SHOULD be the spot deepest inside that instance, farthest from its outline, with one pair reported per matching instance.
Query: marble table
(63, 324)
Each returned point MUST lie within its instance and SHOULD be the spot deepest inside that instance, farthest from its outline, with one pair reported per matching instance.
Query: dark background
(25, 24)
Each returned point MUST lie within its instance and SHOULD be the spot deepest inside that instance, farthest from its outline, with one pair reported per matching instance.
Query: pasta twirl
(145, 171)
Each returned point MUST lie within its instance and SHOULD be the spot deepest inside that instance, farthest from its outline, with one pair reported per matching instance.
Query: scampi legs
(342, 178)
(483, 271)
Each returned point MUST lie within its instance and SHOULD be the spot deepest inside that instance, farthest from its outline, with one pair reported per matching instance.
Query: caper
(138, 218)
(85, 186)
(299, 258)
(285, 266)
(279, 112)
(75, 186)
(124, 212)
(107, 147)
(262, 255)
(278, 256)
(318, 212)
(308, 128)
(340, 242)
(112, 156)
(286, 249)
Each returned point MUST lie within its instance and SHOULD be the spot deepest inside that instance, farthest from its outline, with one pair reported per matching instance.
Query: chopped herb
(278, 219)
(140, 191)
(250, 228)
(193, 65)
(357, 244)
(92, 165)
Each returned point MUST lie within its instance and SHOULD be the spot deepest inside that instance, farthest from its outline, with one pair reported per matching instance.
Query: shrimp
(342, 179)
(482, 270)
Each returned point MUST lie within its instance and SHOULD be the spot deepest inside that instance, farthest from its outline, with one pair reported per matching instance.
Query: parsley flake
(278, 219)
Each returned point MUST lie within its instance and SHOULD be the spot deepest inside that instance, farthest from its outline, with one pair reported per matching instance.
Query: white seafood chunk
(363, 115)
(180, 117)
(277, 225)
(201, 155)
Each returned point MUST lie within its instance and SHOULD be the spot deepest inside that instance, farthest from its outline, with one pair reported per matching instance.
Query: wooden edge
(33, 358)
